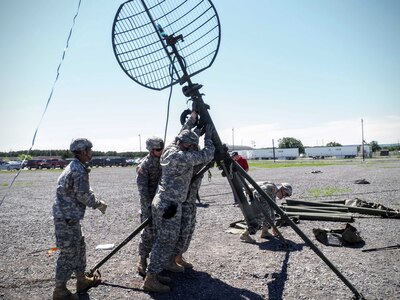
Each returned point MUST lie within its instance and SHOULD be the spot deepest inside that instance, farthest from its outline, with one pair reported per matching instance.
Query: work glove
(102, 207)
(170, 211)
(209, 132)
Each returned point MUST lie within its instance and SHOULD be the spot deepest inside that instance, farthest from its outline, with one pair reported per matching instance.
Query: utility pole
(362, 139)
(233, 138)
(273, 149)
(140, 144)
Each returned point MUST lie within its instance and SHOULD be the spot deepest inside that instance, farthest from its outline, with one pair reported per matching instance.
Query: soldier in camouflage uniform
(188, 222)
(177, 164)
(72, 196)
(281, 191)
(148, 176)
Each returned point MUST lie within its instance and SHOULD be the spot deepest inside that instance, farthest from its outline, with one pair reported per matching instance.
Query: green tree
(290, 142)
(333, 144)
(375, 146)
(24, 156)
(65, 153)
(112, 153)
(394, 147)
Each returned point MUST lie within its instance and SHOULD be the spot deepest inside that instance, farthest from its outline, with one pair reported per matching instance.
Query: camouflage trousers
(71, 242)
(166, 237)
(266, 211)
(147, 234)
(188, 224)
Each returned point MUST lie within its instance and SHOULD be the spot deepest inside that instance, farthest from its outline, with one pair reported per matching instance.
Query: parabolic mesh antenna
(146, 33)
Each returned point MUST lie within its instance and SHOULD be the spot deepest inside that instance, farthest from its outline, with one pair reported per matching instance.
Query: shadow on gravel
(357, 245)
(83, 296)
(275, 244)
(86, 296)
(194, 285)
(202, 204)
(200, 285)
(277, 284)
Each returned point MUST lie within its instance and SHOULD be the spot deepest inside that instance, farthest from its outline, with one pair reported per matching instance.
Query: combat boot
(266, 235)
(164, 279)
(173, 267)
(245, 237)
(142, 266)
(84, 282)
(62, 293)
(182, 262)
(152, 284)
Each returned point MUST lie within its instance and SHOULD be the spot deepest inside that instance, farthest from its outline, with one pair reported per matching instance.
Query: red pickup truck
(57, 163)
(46, 163)
(32, 164)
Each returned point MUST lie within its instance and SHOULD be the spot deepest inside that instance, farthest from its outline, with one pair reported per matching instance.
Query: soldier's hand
(209, 132)
(170, 211)
(102, 207)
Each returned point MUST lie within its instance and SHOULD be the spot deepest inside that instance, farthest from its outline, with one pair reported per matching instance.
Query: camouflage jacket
(74, 193)
(177, 169)
(268, 187)
(148, 176)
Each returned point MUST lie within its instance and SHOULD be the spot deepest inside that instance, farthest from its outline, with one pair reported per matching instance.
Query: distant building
(350, 151)
(238, 147)
(271, 153)
(384, 152)
(338, 152)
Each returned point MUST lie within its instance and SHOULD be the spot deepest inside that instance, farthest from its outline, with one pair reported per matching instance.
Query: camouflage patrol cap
(287, 187)
(80, 144)
(154, 143)
(189, 137)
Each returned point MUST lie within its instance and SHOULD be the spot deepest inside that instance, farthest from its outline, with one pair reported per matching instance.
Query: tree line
(285, 142)
(23, 154)
(290, 142)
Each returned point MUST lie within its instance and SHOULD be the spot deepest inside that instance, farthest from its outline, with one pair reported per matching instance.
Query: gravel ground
(225, 268)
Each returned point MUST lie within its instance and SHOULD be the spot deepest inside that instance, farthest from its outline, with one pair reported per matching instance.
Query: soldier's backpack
(346, 236)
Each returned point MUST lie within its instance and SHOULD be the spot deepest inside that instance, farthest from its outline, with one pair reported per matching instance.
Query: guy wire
(168, 107)
(47, 103)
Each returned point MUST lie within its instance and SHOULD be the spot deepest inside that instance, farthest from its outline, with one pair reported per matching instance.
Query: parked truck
(270, 153)
(32, 164)
(45, 163)
(338, 152)
(57, 163)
